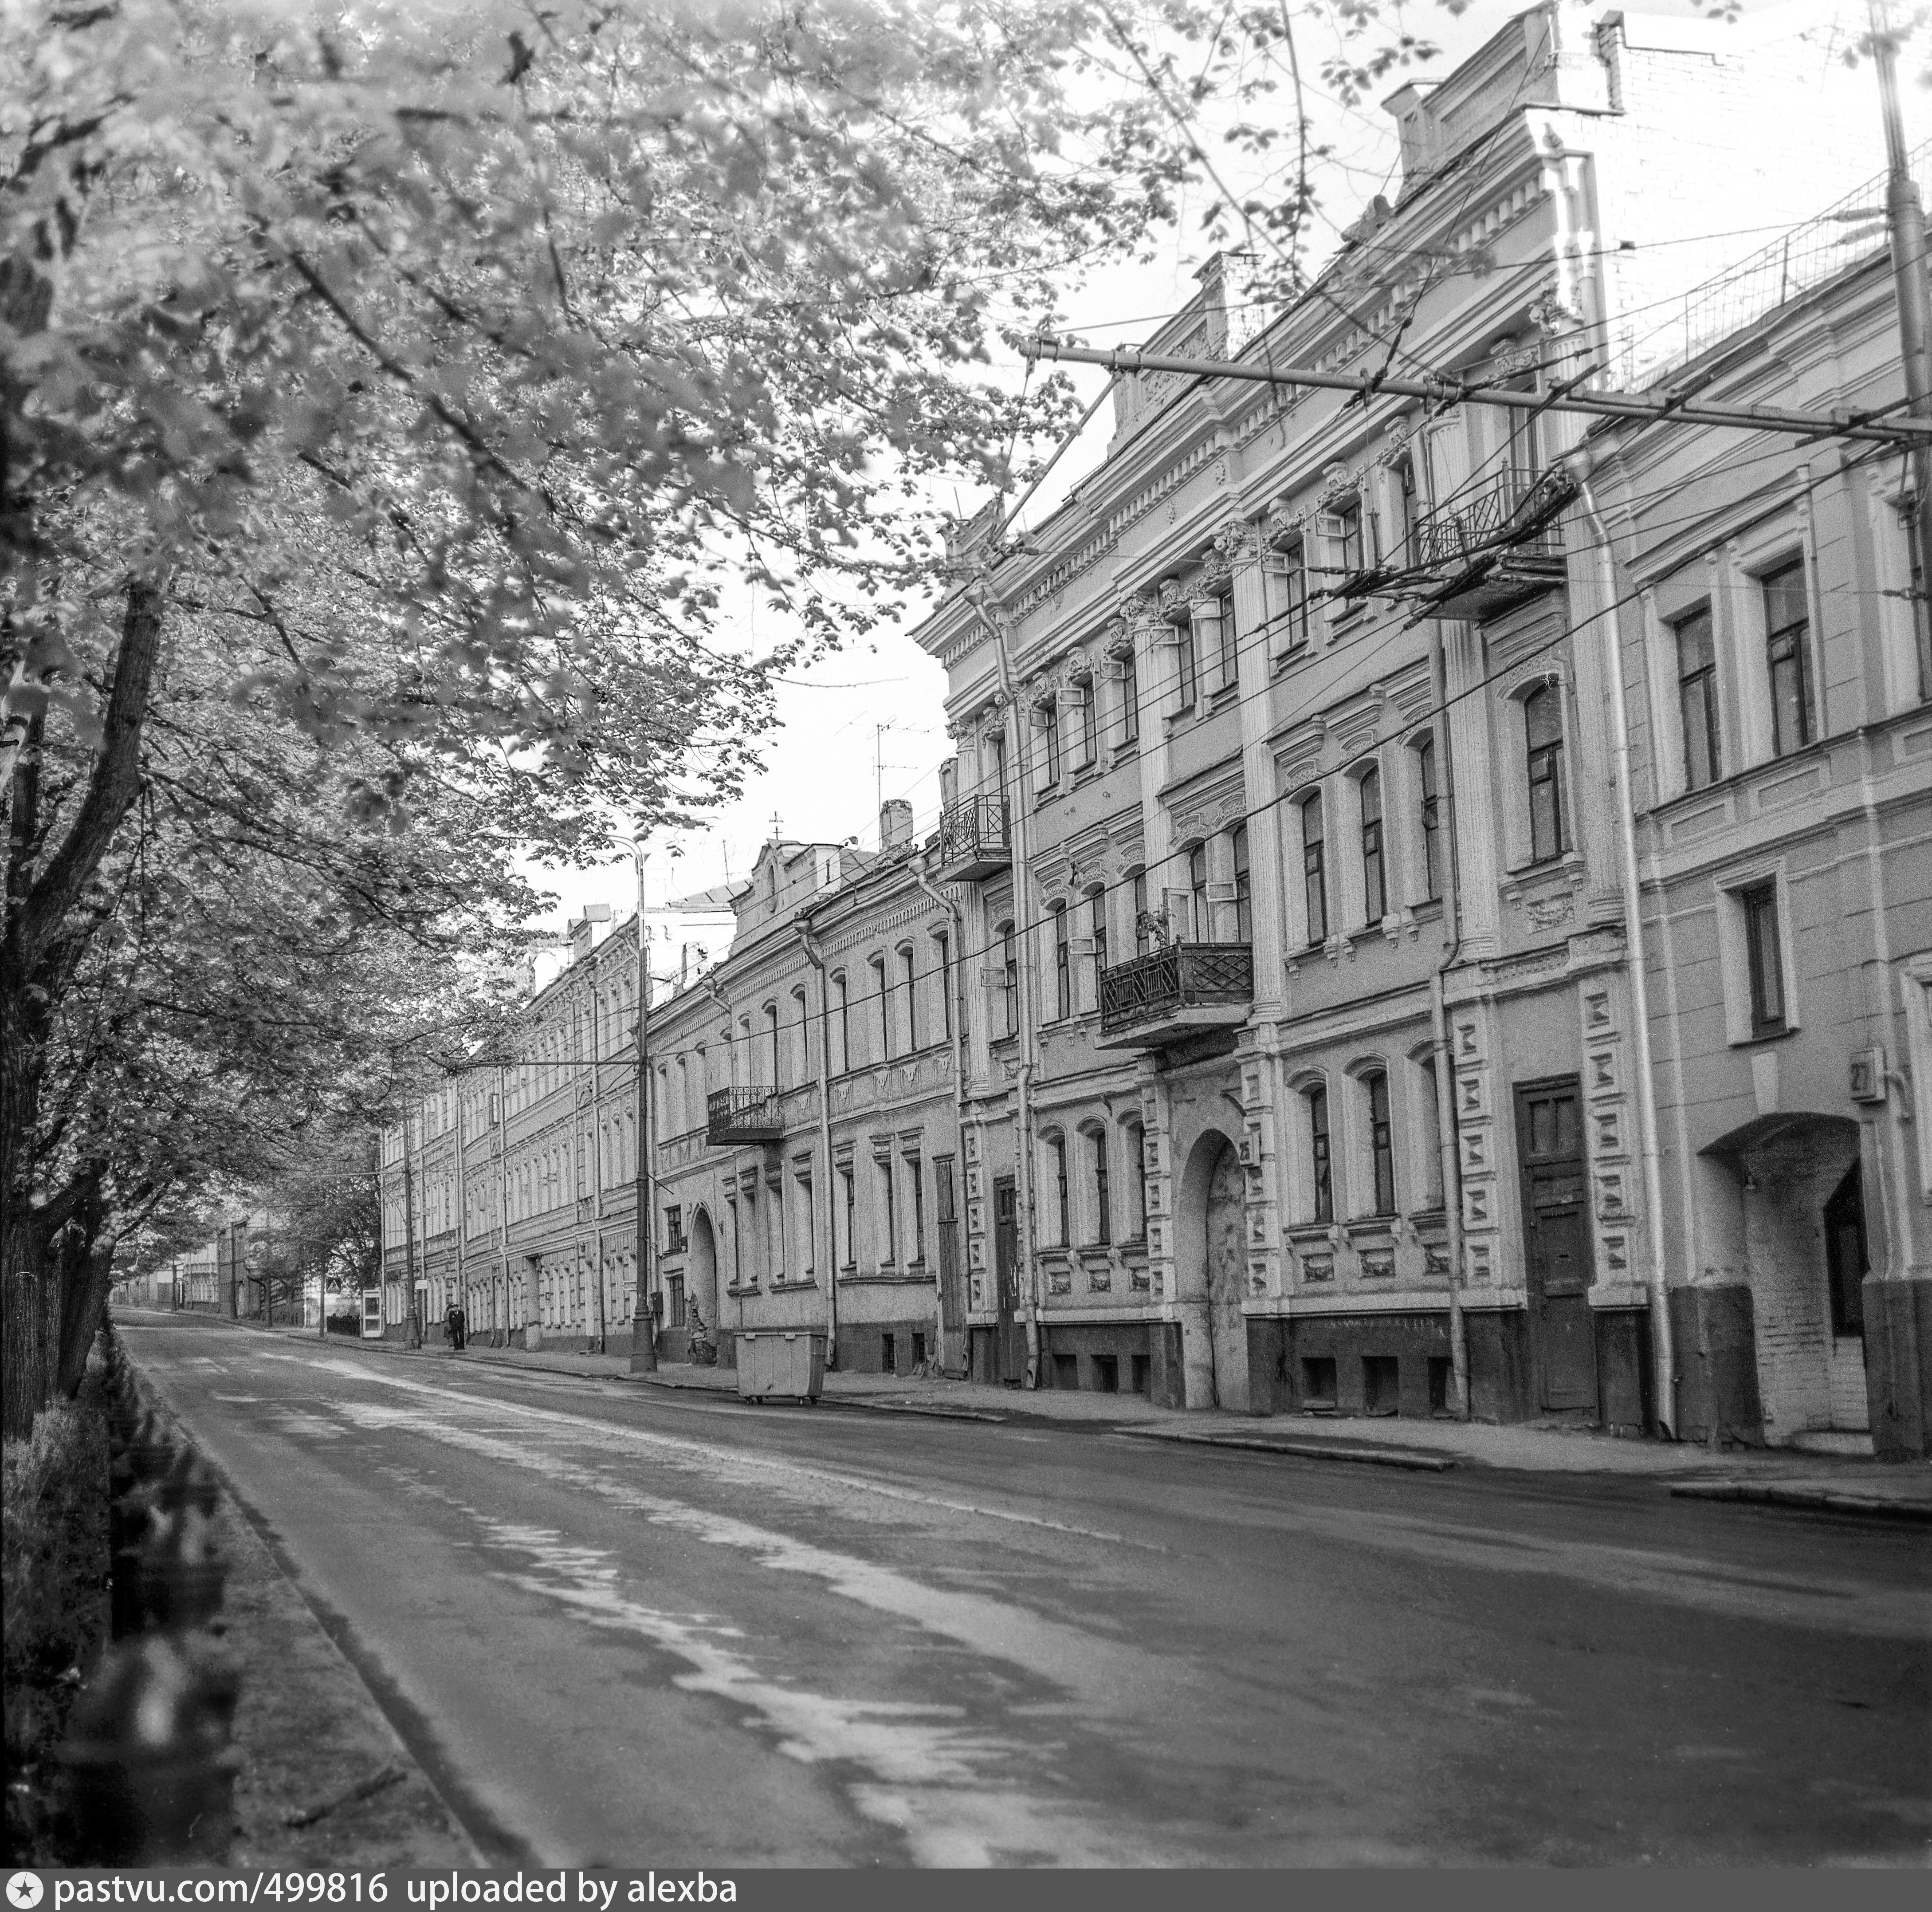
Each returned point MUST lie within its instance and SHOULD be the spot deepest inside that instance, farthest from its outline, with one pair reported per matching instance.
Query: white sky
(868, 721)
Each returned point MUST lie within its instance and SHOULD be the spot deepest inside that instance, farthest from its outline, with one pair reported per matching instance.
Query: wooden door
(1556, 1223)
(1010, 1337)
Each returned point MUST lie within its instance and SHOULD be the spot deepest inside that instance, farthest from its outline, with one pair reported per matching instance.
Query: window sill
(747, 1288)
(1222, 698)
(1124, 753)
(1043, 798)
(791, 1287)
(1085, 774)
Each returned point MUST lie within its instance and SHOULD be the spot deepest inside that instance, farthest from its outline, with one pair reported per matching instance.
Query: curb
(1816, 1500)
(1402, 1457)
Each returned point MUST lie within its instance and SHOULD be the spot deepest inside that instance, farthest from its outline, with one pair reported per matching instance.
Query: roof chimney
(581, 932)
(895, 824)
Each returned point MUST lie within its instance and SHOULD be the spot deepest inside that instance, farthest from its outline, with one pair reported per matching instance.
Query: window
(907, 977)
(1314, 870)
(945, 985)
(1321, 1181)
(1184, 663)
(1288, 600)
(1349, 548)
(1202, 925)
(1226, 649)
(1137, 891)
(776, 1078)
(1543, 729)
(1061, 1209)
(1090, 727)
(1403, 482)
(1097, 920)
(917, 1183)
(674, 1230)
(1846, 1261)
(1063, 966)
(849, 1209)
(1244, 887)
(1103, 1214)
(888, 1208)
(801, 1021)
(1697, 700)
(1429, 1132)
(1431, 817)
(841, 1026)
(1765, 950)
(1010, 978)
(1049, 728)
(1130, 701)
(1137, 1142)
(1382, 1143)
(1787, 632)
(1374, 888)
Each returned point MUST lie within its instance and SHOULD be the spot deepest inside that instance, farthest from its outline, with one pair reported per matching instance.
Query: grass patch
(54, 1570)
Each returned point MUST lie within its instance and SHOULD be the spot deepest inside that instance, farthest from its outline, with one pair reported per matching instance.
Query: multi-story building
(804, 1106)
(1777, 671)
(1301, 1070)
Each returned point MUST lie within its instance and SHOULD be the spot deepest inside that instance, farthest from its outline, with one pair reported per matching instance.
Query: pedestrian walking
(455, 1323)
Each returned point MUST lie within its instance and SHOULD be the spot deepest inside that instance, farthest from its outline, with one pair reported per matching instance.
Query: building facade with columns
(1302, 1045)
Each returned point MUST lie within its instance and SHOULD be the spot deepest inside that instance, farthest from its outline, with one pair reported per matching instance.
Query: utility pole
(643, 1323)
(411, 1322)
(1905, 219)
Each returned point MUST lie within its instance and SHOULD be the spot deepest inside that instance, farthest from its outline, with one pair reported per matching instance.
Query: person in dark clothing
(457, 1325)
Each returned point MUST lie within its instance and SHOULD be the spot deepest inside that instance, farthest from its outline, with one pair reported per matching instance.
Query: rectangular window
(1227, 648)
(848, 1207)
(1319, 1161)
(1764, 947)
(807, 1234)
(1103, 1215)
(1349, 548)
(1097, 929)
(945, 985)
(1142, 926)
(674, 1230)
(1201, 922)
(1787, 634)
(1010, 976)
(1697, 700)
(907, 980)
(889, 1248)
(1184, 663)
(1374, 888)
(1137, 1141)
(1049, 735)
(1244, 887)
(1130, 699)
(1381, 1143)
(1287, 606)
(917, 1183)
(1063, 966)
(1090, 727)
(841, 1028)
(1425, 769)
(1062, 1209)
(1314, 872)
(1542, 728)
(883, 995)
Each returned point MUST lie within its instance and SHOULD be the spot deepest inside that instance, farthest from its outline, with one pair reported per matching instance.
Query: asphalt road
(636, 1626)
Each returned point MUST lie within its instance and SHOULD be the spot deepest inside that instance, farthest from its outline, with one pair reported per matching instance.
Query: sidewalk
(1834, 1483)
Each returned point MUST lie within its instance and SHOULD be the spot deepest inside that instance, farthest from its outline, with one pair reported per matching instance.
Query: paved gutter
(1410, 1458)
(1815, 1497)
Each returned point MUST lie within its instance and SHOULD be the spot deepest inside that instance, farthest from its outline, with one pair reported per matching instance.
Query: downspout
(502, 1125)
(1447, 1138)
(958, 1021)
(1662, 1339)
(815, 956)
(1023, 931)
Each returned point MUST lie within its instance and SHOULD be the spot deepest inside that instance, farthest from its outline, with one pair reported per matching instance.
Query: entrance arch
(701, 1276)
(1210, 1257)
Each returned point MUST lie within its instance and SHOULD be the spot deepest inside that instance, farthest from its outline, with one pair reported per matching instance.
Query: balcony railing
(1513, 511)
(973, 839)
(1170, 994)
(733, 1117)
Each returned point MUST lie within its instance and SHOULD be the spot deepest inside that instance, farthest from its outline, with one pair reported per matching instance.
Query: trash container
(780, 1361)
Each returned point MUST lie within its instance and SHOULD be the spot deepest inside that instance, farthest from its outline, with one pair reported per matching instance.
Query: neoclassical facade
(1304, 1068)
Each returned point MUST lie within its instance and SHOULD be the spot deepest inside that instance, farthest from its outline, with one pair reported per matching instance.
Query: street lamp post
(643, 1323)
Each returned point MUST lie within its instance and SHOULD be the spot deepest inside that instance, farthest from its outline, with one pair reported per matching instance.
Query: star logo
(25, 1890)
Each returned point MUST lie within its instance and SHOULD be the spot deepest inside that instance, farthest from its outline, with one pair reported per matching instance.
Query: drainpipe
(917, 867)
(1023, 929)
(1663, 1340)
(1448, 1142)
(815, 956)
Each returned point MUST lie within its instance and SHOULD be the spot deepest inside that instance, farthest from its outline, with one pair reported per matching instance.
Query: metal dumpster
(780, 1360)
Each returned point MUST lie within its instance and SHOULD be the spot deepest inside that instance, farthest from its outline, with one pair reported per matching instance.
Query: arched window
(841, 1028)
(908, 987)
(1137, 892)
(1063, 1208)
(1543, 732)
(1010, 988)
(1314, 870)
(1429, 817)
(771, 1057)
(1375, 885)
(1137, 1142)
(1103, 1204)
(1381, 1142)
(1063, 965)
(1320, 1166)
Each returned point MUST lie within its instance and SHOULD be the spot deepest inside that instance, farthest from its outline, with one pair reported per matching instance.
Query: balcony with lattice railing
(735, 1117)
(973, 840)
(1169, 995)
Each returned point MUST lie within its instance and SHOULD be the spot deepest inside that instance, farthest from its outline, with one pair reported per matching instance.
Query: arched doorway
(1210, 1257)
(701, 1276)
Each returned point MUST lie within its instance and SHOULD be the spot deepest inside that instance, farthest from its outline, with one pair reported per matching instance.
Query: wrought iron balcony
(1168, 995)
(734, 1117)
(973, 839)
(1493, 545)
